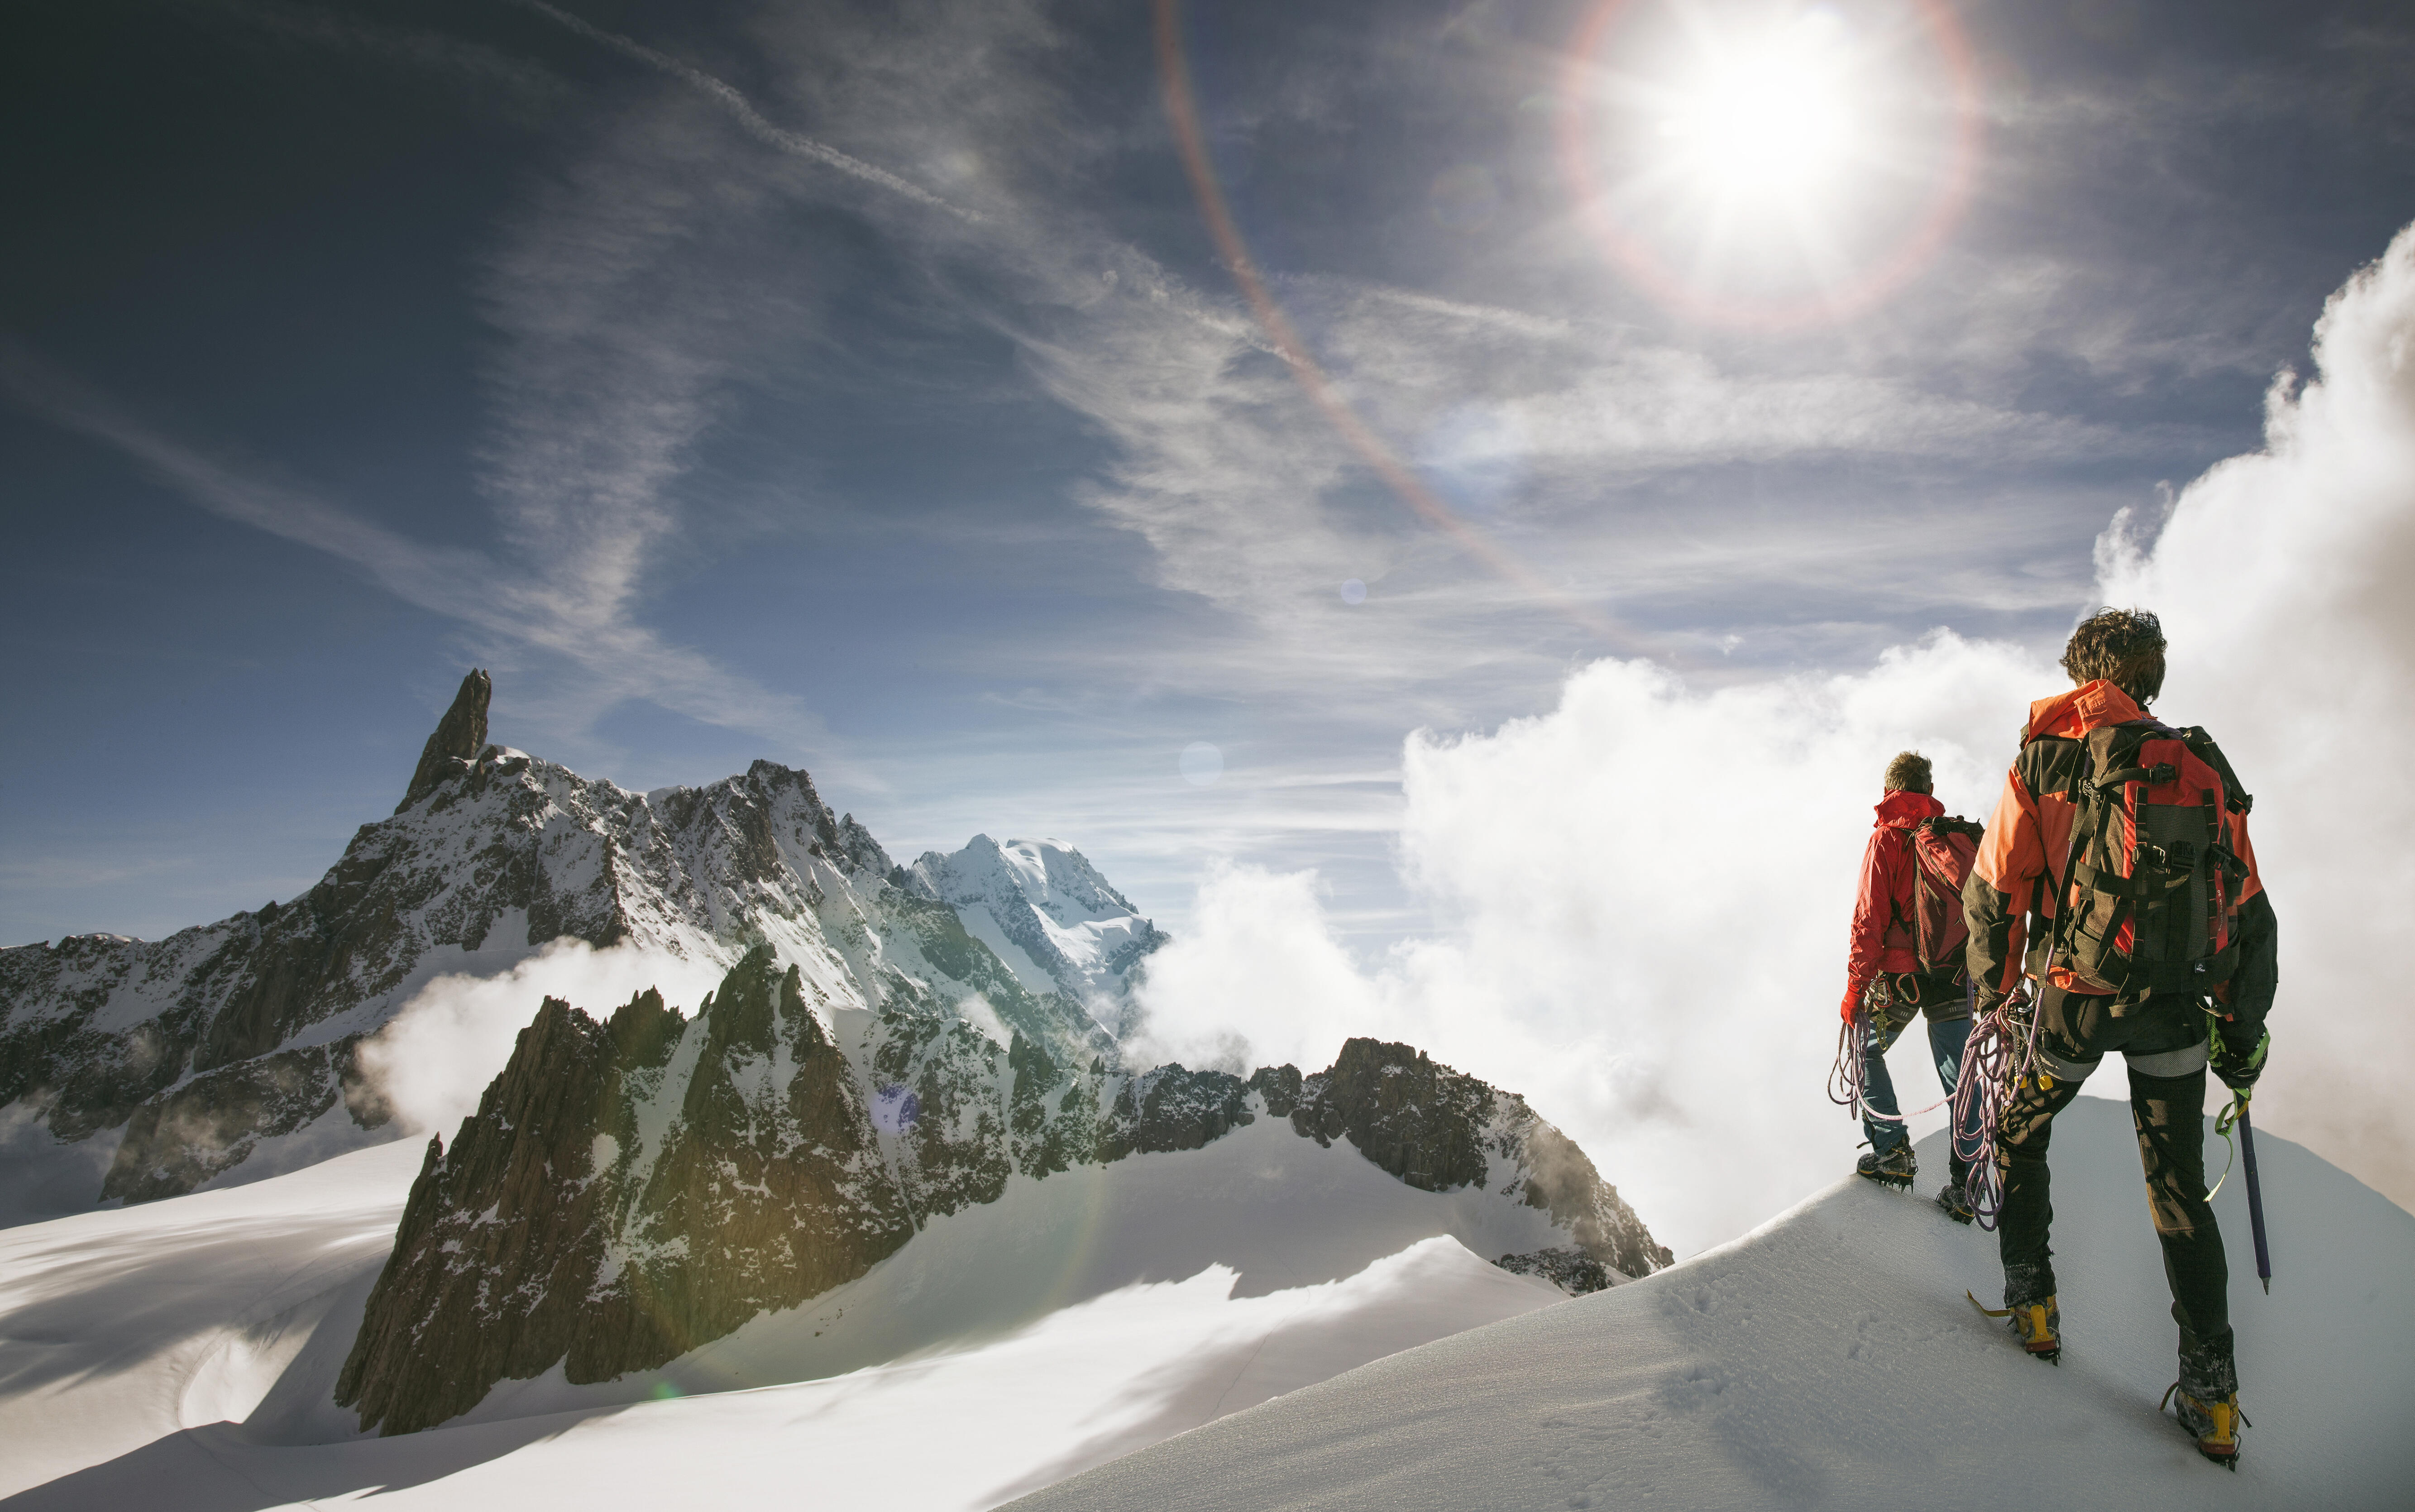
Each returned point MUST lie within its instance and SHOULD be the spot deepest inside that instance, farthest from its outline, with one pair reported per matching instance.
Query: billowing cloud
(2282, 578)
(1641, 896)
(433, 1061)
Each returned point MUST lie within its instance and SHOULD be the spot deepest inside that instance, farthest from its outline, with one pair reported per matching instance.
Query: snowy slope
(1048, 913)
(180, 1354)
(1828, 1359)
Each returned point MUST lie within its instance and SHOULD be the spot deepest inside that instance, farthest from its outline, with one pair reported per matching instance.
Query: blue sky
(860, 387)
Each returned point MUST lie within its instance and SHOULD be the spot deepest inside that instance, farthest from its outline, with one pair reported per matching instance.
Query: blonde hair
(1908, 773)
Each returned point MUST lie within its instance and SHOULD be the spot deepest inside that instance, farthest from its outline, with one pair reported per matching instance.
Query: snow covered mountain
(635, 1187)
(1048, 913)
(631, 1189)
(183, 1354)
(133, 1069)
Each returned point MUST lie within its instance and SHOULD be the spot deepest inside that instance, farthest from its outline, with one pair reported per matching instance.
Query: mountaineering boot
(2206, 1398)
(1889, 1168)
(2039, 1327)
(2215, 1424)
(1954, 1201)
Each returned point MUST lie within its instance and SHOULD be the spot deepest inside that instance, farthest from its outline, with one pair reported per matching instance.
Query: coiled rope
(1847, 1087)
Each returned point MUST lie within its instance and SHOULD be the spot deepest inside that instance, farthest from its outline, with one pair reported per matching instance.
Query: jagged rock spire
(460, 736)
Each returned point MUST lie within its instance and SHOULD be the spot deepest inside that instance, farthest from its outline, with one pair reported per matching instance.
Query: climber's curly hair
(2125, 646)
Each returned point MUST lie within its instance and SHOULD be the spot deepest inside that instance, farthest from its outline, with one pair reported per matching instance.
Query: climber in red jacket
(1884, 956)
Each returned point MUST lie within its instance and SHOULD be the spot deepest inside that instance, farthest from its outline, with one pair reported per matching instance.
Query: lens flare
(1202, 764)
(1401, 479)
(895, 1109)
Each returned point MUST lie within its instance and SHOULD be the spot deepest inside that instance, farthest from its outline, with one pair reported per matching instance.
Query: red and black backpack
(2152, 897)
(1941, 850)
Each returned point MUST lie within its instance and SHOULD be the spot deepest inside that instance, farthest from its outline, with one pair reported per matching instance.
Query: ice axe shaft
(2254, 1198)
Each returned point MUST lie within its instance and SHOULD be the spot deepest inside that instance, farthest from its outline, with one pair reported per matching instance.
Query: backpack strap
(2201, 745)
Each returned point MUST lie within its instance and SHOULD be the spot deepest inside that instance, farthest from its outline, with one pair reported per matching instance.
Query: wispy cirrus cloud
(742, 110)
(504, 607)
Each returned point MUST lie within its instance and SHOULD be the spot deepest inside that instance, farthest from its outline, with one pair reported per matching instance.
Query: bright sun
(1773, 116)
(1770, 161)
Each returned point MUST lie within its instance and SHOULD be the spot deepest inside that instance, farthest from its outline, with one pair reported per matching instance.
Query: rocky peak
(625, 1191)
(1438, 1129)
(856, 846)
(458, 738)
(629, 1191)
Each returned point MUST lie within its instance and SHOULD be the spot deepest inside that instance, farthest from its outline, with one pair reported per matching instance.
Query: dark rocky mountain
(632, 1189)
(195, 1054)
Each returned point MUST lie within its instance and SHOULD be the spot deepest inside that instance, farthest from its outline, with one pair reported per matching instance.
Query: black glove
(2236, 1065)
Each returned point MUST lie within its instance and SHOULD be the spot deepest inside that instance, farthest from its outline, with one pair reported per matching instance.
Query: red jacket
(1881, 937)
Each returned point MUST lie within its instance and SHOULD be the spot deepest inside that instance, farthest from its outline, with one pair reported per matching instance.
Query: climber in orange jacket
(2120, 850)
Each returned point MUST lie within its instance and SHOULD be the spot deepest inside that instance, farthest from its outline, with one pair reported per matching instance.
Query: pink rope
(2001, 1053)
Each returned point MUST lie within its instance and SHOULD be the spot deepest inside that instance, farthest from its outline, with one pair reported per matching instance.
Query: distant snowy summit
(155, 1068)
(1047, 913)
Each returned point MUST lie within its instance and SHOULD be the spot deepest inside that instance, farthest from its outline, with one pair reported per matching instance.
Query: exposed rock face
(627, 1191)
(1436, 1129)
(180, 1139)
(1572, 1271)
(456, 740)
(493, 855)
(631, 1189)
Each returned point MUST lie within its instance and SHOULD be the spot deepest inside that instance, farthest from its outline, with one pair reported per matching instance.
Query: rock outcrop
(213, 1122)
(632, 1189)
(1437, 1128)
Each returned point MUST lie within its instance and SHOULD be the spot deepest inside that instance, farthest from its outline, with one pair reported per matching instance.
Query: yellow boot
(2216, 1423)
(2037, 1324)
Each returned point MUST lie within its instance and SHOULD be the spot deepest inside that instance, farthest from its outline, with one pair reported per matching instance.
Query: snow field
(1006, 1346)
(1828, 1359)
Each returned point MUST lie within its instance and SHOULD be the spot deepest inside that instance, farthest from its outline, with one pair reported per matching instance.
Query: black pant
(2076, 1030)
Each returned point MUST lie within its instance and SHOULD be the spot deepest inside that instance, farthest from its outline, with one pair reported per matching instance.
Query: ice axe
(2237, 1113)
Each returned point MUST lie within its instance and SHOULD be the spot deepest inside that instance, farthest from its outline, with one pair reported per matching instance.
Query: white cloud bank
(1641, 896)
(434, 1060)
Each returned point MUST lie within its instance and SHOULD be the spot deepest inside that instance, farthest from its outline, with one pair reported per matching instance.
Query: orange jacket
(2028, 839)
(1881, 937)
